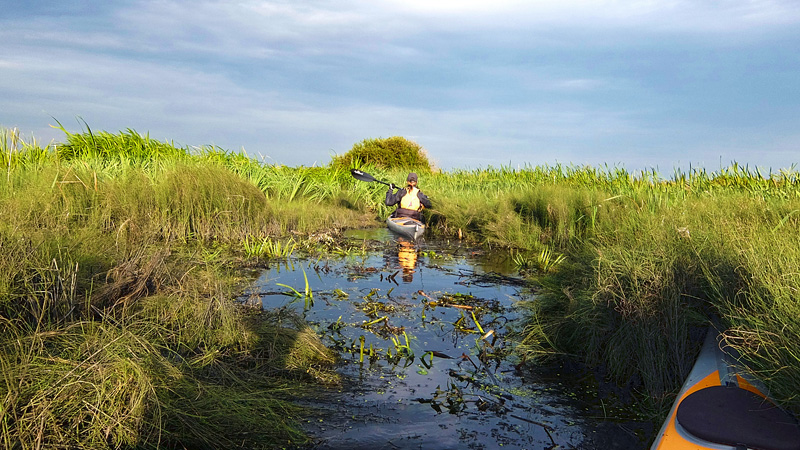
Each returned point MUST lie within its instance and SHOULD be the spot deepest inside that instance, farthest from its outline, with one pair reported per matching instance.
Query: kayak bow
(718, 408)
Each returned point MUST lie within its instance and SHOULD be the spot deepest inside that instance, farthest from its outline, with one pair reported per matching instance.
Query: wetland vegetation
(123, 258)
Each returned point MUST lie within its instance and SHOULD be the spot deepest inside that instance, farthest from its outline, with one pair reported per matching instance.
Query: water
(440, 373)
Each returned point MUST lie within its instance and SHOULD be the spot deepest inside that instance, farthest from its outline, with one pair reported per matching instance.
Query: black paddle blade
(363, 176)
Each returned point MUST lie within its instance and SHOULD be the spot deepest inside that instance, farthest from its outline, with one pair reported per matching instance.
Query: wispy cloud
(263, 29)
(675, 15)
(580, 84)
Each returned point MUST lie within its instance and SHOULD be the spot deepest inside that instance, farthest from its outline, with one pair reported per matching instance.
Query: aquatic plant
(307, 295)
(403, 350)
(269, 248)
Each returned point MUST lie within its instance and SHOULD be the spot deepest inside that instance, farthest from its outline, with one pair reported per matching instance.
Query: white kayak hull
(406, 226)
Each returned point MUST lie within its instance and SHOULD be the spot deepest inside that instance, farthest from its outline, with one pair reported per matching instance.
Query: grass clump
(128, 146)
(85, 384)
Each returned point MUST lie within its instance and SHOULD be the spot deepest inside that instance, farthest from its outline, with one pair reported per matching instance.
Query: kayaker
(410, 199)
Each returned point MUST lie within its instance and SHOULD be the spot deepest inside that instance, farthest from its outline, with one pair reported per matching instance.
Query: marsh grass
(639, 291)
(17, 151)
(118, 324)
(757, 296)
(127, 146)
(167, 370)
(84, 383)
(141, 239)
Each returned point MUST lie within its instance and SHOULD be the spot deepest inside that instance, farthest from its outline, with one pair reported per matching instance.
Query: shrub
(390, 153)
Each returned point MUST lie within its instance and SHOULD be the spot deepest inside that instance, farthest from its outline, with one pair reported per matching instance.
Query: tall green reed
(17, 151)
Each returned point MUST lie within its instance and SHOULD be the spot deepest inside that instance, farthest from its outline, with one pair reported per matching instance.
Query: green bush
(395, 152)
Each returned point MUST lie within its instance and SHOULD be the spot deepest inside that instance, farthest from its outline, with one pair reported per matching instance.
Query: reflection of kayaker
(407, 254)
(718, 408)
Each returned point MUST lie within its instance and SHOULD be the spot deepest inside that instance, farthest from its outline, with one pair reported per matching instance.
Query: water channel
(421, 329)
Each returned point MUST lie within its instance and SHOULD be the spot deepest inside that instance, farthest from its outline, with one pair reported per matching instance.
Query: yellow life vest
(411, 200)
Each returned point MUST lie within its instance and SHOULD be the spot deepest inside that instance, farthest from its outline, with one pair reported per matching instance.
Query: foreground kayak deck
(406, 226)
(718, 408)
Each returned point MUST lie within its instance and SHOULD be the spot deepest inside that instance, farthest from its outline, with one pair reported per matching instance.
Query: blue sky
(635, 84)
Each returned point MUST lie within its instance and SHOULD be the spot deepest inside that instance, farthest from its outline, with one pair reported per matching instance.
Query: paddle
(363, 176)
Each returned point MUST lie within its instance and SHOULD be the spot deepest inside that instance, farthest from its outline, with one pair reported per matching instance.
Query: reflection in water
(407, 255)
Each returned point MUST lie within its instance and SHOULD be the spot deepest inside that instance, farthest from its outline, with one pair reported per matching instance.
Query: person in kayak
(410, 200)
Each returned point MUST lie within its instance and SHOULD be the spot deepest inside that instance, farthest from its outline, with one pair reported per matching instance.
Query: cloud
(580, 84)
(650, 15)
(8, 64)
(267, 29)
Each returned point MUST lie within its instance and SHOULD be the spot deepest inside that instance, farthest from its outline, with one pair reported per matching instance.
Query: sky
(639, 84)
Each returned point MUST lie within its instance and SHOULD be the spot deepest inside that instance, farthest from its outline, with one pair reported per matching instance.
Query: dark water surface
(440, 374)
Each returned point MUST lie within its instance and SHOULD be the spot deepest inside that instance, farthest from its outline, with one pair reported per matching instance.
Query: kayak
(719, 407)
(406, 226)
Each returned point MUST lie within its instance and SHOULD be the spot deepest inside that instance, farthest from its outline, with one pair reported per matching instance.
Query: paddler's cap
(412, 177)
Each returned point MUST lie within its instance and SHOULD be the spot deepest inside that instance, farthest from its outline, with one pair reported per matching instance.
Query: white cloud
(580, 84)
(674, 15)
(9, 64)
